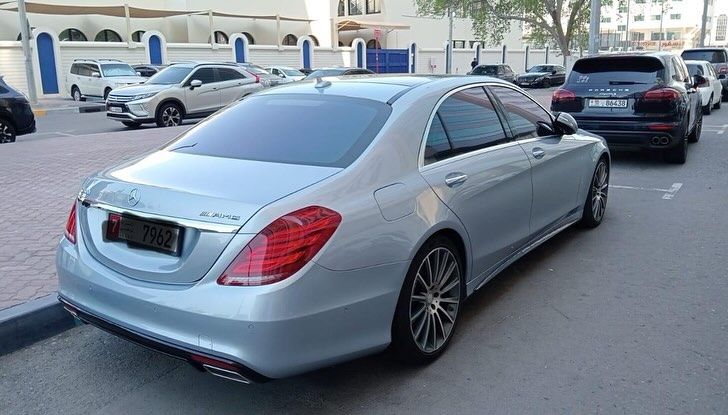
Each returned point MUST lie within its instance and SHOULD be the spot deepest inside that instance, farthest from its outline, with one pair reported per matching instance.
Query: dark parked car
(500, 71)
(16, 116)
(338, 72)
(718, 57)
(542, 76)
(148, 71)
(638, 100)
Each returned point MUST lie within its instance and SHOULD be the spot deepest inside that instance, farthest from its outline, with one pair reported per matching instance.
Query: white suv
(183, 90)
(96, 78)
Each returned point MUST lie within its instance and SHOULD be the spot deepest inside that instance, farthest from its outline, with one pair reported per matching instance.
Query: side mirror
(722, 76)
(95, 75)
(139, 73)
(565, 124)
(699, 80)
(195, 83)
(553, 72)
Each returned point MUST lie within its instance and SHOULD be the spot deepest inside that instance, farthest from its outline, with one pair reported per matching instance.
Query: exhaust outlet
(655, 141)
(664, 141)
(226, 374)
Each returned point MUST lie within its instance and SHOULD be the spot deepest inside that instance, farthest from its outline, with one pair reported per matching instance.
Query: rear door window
(229, 74)
(526, 118)
(318, 130)
(617, 71)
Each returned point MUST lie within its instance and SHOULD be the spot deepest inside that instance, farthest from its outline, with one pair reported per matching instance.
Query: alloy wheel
(600, 190)
(76, 95)
(434, 300)
(171, 117)
(6, 133)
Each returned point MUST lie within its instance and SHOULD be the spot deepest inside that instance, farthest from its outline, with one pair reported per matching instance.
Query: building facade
(719, 28)
(654, 24)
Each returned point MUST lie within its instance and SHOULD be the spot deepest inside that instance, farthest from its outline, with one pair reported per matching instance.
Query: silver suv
(183, 90)
(96, 78)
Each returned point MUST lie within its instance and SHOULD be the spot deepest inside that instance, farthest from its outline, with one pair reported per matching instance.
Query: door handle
(454, 179)
(538, 152)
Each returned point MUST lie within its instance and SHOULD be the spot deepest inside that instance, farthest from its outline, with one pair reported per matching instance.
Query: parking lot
(630, 317)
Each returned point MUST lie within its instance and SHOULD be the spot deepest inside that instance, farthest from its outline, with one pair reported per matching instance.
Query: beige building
(719, 27)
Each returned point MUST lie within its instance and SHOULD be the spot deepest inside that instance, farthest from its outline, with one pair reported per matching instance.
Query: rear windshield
(314, 130)
(485, 70)
(617, 71)
(325, 72)
(694, 69)
(712, 56)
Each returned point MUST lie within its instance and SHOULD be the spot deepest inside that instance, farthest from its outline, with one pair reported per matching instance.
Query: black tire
(595, 206)
(408, 345)
(76, 94)
(717, 105)
(707, 108)
(694, 136)
(546, 83)
(7, 132)
(169, 115)
(725, 95)
(132, 124)
(107, 91)
(677, 154)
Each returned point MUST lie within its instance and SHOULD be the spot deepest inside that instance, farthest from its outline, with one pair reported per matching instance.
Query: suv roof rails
(96, 60)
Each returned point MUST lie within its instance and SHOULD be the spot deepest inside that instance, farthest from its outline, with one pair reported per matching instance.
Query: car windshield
(319, 130)
(171, 75)
(712, 56)
(325, 72)
(627, 70)
(291, 72)
(541, 68)
(117, 69)
(695, 69)
(485, 70)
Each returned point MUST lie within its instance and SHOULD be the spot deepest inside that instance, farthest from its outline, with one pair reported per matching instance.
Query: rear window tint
(314, 130)
(712, 56)
(613, 71)
(695, 69)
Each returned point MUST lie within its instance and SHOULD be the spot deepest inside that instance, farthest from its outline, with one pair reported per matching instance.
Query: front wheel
(428, 306)
(170, 115)
(7, 132)
(596, 199)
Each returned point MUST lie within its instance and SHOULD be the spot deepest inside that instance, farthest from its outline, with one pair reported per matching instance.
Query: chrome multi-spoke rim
(76, 95)
(5, 135)
(171, 116)
(435, 299)
(600, 189)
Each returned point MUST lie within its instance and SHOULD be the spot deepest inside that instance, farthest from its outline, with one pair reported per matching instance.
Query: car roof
(706, 49)
(384, 88)
(696, 62)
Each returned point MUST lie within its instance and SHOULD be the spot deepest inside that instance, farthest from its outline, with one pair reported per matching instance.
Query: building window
(458, 44)
(475, 42)
(107, 35)
(355, 7)
(639, 18)
(606, 19)
(657, 36)
(373, 7)
(673, 35)
(622, 7)
(721, 27)
(290, 40)
(73, 35)
(656, 17)
(622, 28)
(675, 16)
(137, 36)
(220, 38)
(342, 8)
(640, 1)
(638, 36)
(373, 44)
(251, 39)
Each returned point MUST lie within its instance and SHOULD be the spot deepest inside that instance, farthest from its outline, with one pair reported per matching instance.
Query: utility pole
(626, 48)
(448, 64)
(701, 43)
(662, 18)
(594, 20)
(25, 41)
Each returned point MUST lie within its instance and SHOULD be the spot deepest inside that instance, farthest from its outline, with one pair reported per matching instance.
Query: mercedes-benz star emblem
(133, 197)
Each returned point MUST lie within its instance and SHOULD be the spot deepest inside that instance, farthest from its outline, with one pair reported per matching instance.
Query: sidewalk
(65, 104)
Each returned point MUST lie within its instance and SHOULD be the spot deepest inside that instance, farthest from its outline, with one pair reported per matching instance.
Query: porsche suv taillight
(282, 248)
(70, 232)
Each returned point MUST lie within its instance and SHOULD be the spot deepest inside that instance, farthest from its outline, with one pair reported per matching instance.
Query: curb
(40, 112)
(27, 323)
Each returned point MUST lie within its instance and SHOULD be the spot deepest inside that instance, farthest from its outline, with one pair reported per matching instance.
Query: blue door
(155, 50)
(47, 60)
(387, 60)
(306, 45)
(359, 55)
(239, 51)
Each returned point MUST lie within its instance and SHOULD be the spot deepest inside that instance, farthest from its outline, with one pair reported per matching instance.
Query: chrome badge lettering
(219, 215)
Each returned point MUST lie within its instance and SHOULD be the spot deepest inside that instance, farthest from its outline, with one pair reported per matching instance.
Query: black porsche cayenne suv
(637, 100)
(16, 116)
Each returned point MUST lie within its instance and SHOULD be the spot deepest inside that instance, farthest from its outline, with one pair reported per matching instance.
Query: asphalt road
(630, 317)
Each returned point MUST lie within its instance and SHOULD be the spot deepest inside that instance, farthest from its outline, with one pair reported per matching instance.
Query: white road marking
(718, 129)
(673, 190)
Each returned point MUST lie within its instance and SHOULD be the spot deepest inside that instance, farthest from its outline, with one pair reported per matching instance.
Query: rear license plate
(608, 103)
(115, 109)
(145, 234)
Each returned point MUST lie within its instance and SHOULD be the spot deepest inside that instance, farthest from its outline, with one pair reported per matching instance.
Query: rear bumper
(314, 319)
(637, 135)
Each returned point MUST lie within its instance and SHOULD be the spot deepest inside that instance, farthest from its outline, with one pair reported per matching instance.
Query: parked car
(286, 72)
(306, 71)
(718, 57)
(319, 73)
(96, 78)
(258, 249)
(710, 87)
(542, 76)
(147, 71)
(183, 90)
(500, 71)
(636, 100)
(16, 115)
(264, 77)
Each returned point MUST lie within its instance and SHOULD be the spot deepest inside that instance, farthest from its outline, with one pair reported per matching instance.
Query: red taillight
(563, 95)
(257, 78)
(70, 233)
(662, 94)
(658, 126)
(282, 248)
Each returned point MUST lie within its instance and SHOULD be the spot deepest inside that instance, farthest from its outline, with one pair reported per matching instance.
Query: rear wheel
(717, 105)
(169, 115)
(428, 306)
(131, 124)
(708, 107)
(679, 153)
(694, 136)
(7, 132)
(596, 199)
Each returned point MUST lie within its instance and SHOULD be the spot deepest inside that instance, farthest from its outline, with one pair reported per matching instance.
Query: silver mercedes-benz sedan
(326, 220)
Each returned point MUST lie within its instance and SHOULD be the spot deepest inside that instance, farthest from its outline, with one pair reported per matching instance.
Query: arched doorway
(155, 50)
(47, 63)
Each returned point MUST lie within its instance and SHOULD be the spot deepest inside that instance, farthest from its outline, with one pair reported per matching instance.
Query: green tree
(562, 22)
